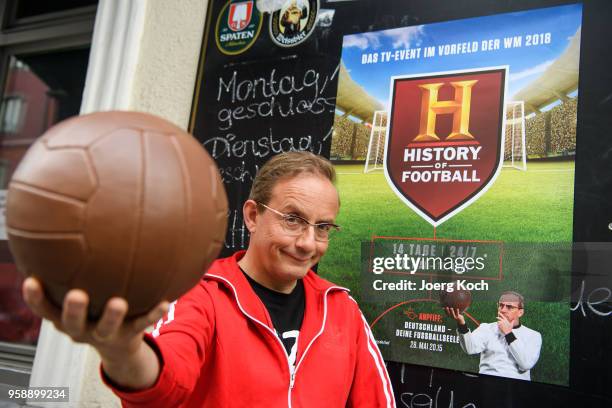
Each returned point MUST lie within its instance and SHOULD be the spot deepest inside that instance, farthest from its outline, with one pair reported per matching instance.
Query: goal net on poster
(376, 145)
(515, 151)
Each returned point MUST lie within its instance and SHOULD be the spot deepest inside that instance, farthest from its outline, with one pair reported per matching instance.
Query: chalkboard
(262, 102)
(267, 98)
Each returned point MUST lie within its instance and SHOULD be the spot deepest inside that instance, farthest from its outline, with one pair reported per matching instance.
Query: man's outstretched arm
(126, 358)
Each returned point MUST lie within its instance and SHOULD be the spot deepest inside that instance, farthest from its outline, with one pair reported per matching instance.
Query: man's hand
(455, 314)
(126, 358)
(504, 324)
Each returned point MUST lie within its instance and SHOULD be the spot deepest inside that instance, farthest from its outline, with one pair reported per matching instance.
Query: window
(44, 50)
(11, 112)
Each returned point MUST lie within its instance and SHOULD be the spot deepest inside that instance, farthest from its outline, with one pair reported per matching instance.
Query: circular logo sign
(238, 26)
(294, 22)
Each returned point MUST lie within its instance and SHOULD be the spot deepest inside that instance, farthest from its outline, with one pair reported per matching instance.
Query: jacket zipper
(299, 363)
(292, 371)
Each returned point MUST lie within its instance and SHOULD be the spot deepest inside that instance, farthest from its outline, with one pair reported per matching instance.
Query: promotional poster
(454, 144)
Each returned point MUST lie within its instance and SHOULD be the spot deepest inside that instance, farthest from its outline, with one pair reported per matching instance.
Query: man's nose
(306, 240)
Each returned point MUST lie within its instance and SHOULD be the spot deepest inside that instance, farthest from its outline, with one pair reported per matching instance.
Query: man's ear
(521, 313)
(249, 214)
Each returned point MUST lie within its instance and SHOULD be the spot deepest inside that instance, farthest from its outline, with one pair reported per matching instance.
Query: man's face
(282, 257)
(509, 307)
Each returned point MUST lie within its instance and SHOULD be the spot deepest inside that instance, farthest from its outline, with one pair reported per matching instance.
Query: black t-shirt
(286, 312)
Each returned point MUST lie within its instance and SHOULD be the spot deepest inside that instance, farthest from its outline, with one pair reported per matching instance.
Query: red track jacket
(219, 349)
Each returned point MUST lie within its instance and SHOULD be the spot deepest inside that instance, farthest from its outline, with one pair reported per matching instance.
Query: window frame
(52, 32)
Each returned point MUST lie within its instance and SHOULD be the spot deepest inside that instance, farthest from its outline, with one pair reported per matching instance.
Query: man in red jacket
(260, 329)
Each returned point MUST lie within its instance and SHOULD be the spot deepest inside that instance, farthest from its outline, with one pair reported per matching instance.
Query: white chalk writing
(597, 301)
(425, 399)
(273, 95)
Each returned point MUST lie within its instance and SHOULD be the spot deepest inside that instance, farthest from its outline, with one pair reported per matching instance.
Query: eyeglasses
(295, 225)
(510, 308)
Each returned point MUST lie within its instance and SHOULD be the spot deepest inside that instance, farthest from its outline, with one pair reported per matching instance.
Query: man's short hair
(517, 296)
(285, 166)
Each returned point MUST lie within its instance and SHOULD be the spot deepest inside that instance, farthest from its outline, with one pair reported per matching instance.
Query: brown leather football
(457, 299)
(117, 204)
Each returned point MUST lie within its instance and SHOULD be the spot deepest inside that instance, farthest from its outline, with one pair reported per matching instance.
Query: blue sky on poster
(525, 63)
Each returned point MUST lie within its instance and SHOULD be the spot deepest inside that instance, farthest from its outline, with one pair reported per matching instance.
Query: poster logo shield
(240, 15)
(445, 139)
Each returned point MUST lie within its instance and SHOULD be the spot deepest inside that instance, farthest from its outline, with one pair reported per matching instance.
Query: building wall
(169, 54)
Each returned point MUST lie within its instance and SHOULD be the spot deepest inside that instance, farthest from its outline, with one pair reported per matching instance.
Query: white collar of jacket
(316, 289)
